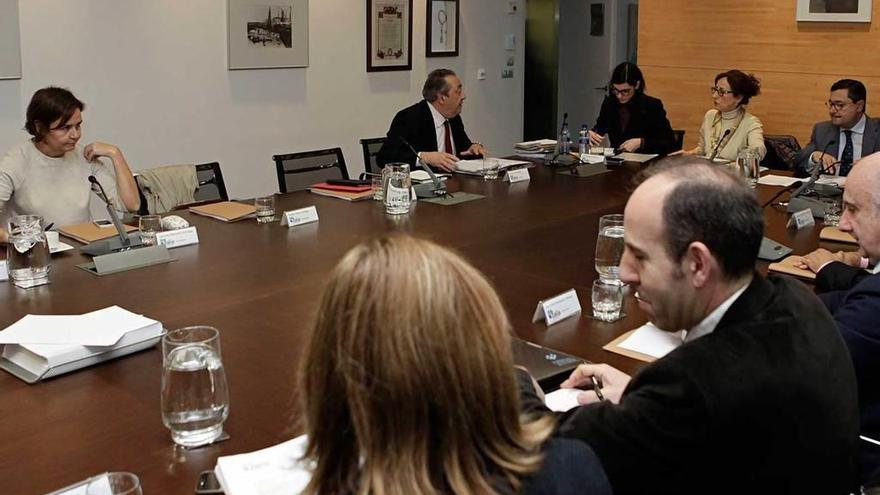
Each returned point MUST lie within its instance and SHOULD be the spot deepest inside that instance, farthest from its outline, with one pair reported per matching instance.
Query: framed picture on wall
(267, 34)
(389, 35)
(834, 10)
(442, 29)
(10, 55)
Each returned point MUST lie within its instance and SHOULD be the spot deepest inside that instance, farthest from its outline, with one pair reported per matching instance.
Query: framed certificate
(389, 35)
(442, 29)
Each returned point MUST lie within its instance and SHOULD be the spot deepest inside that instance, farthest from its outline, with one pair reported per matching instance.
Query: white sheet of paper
(777, 180)
(832, 179)
(473, 166)
(270, 471)
(102, 328)
(588, 158)
(422, 176)
(652, 341)
(563, 399)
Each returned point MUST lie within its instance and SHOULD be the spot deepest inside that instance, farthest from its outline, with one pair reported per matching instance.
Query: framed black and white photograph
(10, 41)
(834, 10)
(268, 34)
(442, 29)
(389, 35)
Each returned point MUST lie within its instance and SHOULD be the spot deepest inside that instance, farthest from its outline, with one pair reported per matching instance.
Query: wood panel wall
(683, 44)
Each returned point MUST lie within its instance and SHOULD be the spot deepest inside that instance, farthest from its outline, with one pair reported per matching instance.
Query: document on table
(276, 470)
(562, 400)
(777, 180)
(832, 179)
(636, 157)
(652, 341)
(102, 328)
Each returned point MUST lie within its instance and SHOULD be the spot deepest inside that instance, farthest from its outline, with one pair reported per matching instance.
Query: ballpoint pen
(597, 387)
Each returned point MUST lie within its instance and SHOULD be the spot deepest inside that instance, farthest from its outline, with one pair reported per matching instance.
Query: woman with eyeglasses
(48, 175)
(728, 128)
(409, 386)
(631, 120)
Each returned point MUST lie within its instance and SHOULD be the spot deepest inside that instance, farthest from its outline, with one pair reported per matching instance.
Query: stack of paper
(777, 180)
(348, 193)
(275, 470)
(88, 233)
(538, 146)
(41, 346)
(480, 164)
(227, 211)
(646, 343)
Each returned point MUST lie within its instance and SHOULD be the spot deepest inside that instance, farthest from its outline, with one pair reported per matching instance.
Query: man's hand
(96, 149)
(476, 149)
(825, 160)
(613, 382)
(818, 258)
(439, 159)
(631, 145)
(596, 139)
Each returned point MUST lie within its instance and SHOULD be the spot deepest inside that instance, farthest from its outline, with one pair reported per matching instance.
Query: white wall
(153, 76)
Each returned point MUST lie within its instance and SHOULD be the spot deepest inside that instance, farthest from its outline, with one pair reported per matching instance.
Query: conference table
(260, 285)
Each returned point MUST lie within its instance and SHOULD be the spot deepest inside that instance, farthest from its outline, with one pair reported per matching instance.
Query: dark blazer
(857, 314)
(570, 468)
(825, 132)
(647, 120)
(416, 125)
(766, 403)
(839, 276)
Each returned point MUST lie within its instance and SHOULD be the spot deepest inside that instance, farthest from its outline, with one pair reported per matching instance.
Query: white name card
(557, 308)
(517, 175)
(801, 219)
(4, 272)
(177, 238)
(301, 216)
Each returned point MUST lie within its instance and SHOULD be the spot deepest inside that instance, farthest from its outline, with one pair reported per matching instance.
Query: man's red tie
(447, 141)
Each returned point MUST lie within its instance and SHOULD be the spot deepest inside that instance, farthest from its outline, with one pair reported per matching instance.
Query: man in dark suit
(853, 297)
(761, 395)
(432, 126)
(848, 136)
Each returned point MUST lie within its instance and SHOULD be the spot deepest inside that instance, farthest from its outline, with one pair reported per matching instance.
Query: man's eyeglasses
(720, 91)
(836, 105)
(621, 92)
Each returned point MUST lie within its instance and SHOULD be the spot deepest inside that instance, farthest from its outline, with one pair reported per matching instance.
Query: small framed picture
(834, 10)
(442, 29)
(261, 35)
(389, 35)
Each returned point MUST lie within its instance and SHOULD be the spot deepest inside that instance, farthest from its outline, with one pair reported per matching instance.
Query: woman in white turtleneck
(731, 94)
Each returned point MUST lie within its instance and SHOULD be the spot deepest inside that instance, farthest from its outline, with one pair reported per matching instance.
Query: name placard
(557, 308)
(301, 216)
(801, 219)
(4, 272)
(177, 238)
(517, 175)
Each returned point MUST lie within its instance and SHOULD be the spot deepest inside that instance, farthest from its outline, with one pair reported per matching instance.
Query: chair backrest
(678, 134)
(298, 171)
(371, 148)
(782, 151)
(211, 185)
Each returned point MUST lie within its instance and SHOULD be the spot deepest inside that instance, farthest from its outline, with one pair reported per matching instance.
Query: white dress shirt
(858, 134)
(440, 129)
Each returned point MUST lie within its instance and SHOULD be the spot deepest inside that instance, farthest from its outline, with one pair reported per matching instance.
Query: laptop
(549, 366)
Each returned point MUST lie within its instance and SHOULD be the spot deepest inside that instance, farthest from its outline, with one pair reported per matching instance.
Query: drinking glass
(747, 166)
(607, 300)
(27, 251)
(265, 209)
(377, 185)
(195, 398)
(398, 186)
(833, 210)
(609, 247)
(489, 169)
(149, 225)
(119, 483)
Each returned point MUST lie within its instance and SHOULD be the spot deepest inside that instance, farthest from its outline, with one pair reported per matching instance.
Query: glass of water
(747, 166)
(489, 169)
(265, 209)
(607, 300)
(609, 248)
(119, 483)
(195, 398)
(398, 186)
(377, 185)
(833, 210)
(149, 225)
(27, 251)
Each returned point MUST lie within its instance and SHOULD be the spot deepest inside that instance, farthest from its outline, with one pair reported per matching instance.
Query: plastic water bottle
(583, 140)
(565, 139)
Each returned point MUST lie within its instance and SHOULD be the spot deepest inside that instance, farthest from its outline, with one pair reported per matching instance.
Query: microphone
(718, 145)
(439, 188)
(123, 235)
(791, 186)
(564, 122)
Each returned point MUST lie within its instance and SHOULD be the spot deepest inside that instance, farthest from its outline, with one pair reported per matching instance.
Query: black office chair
(298, 171)
(678, 134)
(782, 150)
(211, 188)
(371, 148)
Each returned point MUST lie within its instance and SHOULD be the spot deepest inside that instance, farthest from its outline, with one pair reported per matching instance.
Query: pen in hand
(597, 387)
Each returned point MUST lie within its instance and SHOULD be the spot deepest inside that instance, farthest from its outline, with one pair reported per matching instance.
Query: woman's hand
(631, 145)
(596, 139)
(96, 149)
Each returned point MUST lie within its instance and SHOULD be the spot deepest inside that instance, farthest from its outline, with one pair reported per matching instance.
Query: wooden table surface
(260, 285)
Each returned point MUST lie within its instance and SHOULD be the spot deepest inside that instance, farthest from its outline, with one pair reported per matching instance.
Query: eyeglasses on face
(720, 91)
(622, 92)
(836, 105)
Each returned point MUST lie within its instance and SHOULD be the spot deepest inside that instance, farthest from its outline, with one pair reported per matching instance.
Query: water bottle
(583, 140)
(564, 139)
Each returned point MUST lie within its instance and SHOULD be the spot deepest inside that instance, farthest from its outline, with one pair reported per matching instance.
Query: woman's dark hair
(48, 105)
(629, 73)
(742, 84)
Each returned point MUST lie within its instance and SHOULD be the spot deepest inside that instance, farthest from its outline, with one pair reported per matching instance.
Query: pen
(597, 387)
(49, 227)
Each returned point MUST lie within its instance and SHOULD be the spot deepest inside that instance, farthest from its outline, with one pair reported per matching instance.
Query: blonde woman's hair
(408, 379)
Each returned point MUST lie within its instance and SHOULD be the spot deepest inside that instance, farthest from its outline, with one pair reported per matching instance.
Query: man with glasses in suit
(850, 134)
